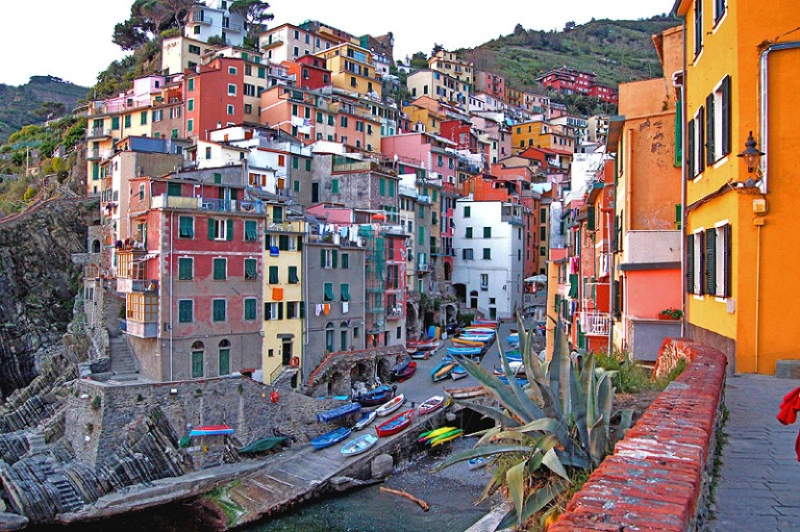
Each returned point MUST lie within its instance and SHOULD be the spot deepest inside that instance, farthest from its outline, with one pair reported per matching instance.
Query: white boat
(359, 445)
(390, 406)
(365, 420)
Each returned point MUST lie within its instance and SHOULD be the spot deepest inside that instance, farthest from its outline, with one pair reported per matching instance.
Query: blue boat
(465, 351)
(338, 412)
(513, 356)
(477, 337)
(375, 397)
(458, 373)
(331, 438)
(520, 380)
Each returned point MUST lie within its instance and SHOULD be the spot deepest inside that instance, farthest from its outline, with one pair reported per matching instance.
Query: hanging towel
(788, 414)
(345, 307)
(318, 310)
(326, 308)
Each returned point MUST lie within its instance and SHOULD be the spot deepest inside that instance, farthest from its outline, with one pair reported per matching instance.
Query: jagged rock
(12, 521)
(101, 365)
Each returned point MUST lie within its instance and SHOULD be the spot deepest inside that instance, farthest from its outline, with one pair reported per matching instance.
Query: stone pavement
(757, 489)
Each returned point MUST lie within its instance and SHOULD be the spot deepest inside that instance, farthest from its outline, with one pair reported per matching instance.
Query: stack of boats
(473, 341)
(422, 349)
(386, 406)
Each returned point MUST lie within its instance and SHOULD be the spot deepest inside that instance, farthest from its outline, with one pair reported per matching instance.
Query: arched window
(198, 354)
(329, 338)
(224, 357)
(96, 246)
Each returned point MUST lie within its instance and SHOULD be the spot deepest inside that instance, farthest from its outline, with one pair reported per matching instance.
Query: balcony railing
(595, 323)
(165, 201)
(127, 286)
(98, 154)
(394, 313)
(98, 132)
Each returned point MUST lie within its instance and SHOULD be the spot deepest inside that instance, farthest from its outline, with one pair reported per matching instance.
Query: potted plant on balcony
(670, 314)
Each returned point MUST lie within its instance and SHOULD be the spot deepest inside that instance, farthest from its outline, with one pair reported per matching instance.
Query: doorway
(286, 353)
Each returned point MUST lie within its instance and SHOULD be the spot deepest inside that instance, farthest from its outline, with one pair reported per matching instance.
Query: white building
(214, 19)
(288, 42)
(489, 246)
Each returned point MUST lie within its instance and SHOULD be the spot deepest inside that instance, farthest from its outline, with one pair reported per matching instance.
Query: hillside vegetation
(616, 50)
(42, 98)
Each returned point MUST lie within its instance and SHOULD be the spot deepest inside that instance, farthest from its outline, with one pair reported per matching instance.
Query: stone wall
(102, 412)
(657, 477)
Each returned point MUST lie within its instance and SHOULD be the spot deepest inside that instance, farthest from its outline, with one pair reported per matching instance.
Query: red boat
(422, 345)
(405, 373)
(395, 424)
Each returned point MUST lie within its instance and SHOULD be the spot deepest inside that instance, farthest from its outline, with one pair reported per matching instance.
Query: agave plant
(561, 418)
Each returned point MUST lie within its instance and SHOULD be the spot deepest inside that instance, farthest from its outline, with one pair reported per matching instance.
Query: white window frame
(222, 229)
(232, 89)
(699, 149)
(232, 70)
(230, 109)
(718, 121)
(273, 311)
(328, 259)
(226, 309)
(720, 259)
(697, 274)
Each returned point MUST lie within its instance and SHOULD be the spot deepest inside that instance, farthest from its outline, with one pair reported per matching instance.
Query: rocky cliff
(38, 282)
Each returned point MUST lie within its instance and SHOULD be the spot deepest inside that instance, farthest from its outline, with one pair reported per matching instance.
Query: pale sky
(72, 39)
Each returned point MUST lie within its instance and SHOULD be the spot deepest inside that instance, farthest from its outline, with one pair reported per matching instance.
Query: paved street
(759, 475)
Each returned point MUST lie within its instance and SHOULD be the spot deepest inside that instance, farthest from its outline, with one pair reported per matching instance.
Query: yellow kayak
(434, 433)
(445, 439)
(468, 343)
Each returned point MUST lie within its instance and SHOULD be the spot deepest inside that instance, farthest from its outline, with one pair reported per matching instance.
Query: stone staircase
(123, 365)
(68, 497)
(36, 442)
(284, 380)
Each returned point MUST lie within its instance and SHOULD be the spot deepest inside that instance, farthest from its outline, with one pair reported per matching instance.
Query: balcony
(98, 133)
(595, 323)
(426, 200)
(394, 314)
(165, 201)
(93, 154)
(141, 329)
(128, 286)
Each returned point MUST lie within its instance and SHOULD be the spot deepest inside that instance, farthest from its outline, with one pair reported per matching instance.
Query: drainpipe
(611, 272)
(171, 296)
(684, 177)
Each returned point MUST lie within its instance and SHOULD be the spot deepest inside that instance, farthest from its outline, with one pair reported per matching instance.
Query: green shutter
(173, 189)
(344, 290)
(185, 308)
(710, 130)
(293, 278)
(283, 242)
(273, 275)
(726, 116)
(678, 216)
(308, 165)
(184, 269)
(345, 261)
(197, 364)
(322, 258)
(220, 267)
(217, 178)
(225, 358)
(186, 227)
(334, 186)
(279, 304)
(219, 310)
(302, 309)
(328, 292)
(212, 229)
(590, 218)
(382, 186)
(250, 269)
(573, 286)
(250, 230)
(115, 122)
(229, 236)
(335, 259)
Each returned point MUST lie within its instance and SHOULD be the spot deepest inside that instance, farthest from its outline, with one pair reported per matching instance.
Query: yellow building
(540, 134)
(430, 120)
(351, 69)
(284, 307)
(742, 69)
(449, 63)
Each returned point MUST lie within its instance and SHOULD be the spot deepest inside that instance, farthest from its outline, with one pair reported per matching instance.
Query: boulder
(382, 466)
(9, 521)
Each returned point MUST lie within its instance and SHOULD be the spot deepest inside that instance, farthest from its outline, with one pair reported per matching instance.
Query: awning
(536, 279)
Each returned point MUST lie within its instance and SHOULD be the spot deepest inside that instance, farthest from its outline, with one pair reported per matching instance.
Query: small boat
(423, 345)
(442, 371)
(364, 421)
(517, 368)
(419, 355)
(425, 436)
(465, 393)
(431, 405)
(458, 373)
(359, 445)
(263, 445)
(485, 323)
(477, 337)
(339, 412)
(520, 380)
(331, 438)
(390, 406)
(211, 430)
(395, 424)
(479, 330)
(513, 338)
(400, 366)
(446, 437)
(477, 463)
(375, 397)
(406, 373)
(464, 351)
(467, 343)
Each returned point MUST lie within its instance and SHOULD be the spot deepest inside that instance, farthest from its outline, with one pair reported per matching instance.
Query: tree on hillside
(256, 15)
(419, 61)
(148, 18)
(569, 25)
(437, 48)
(132, 33)
(178, 10)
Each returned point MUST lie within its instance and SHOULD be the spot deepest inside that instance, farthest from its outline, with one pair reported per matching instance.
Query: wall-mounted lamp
(751, 154)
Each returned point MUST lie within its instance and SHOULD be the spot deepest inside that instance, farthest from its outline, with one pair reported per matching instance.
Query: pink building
(491, 84)
(435, 154)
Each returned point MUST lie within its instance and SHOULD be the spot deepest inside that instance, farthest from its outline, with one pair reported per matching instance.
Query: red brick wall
(654, 478)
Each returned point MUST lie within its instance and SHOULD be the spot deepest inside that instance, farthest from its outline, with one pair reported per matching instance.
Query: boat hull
(394, 425)
(365, 421)
(431, 405)
(360, 445)
(467, 343)
(390, 406)
(330, 438)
